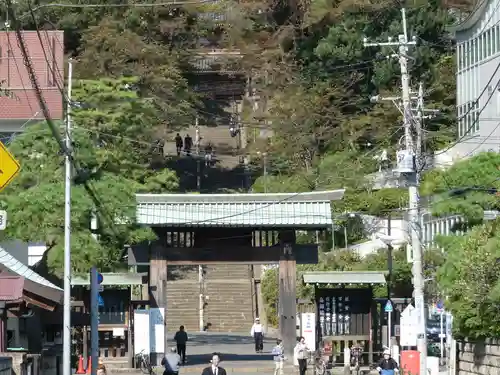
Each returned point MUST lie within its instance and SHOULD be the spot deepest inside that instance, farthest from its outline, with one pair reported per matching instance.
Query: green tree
(111, 139)
(347, 260)
(465, 188)
(470, 280)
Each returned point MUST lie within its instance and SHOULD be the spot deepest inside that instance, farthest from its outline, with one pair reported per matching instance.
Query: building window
(494, 41)
(489, 43)
(459, 56)
(460, 120)
(468, 118)
(467, 54)
(497, 38)
(482, 55)
(475, 49)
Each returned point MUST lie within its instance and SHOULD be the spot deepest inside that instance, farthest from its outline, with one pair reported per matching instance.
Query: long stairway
(229, 304)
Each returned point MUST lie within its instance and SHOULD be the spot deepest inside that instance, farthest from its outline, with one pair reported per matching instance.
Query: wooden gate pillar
(158, 300)
(287, 293)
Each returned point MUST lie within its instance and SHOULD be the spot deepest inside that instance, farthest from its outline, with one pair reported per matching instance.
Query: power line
(117, 5)
(54, 130)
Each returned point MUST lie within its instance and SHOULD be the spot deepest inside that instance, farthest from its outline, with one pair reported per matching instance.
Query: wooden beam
(224, 254)
(287, 294)
(158, 293)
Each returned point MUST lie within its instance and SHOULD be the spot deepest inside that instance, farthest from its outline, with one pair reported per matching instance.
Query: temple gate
(230, 228)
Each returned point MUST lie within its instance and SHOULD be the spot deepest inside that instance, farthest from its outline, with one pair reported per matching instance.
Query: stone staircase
(229, 307)
(230, 304)
(183, 290)
(225, 147)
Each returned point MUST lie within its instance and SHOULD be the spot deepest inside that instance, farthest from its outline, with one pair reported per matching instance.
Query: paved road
(237, 354)
(235, 350)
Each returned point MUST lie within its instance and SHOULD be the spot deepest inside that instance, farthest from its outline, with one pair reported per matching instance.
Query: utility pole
(406, 166)
(67, 233)
(197, 141)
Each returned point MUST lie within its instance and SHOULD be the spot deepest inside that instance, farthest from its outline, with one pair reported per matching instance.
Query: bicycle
(356, 353)
(144, 363)
(317, 360)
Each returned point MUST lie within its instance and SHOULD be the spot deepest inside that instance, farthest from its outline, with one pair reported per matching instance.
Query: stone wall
(479, 357)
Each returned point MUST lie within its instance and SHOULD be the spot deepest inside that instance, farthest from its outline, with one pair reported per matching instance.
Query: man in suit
(214, 369)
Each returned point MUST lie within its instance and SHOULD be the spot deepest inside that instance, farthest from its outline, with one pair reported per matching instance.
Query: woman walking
(302, 353)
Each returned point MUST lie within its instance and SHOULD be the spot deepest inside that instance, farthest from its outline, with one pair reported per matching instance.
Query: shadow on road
(245, 359)
(232, 348)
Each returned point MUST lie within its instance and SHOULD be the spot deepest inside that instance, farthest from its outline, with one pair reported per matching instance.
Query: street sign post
(3, 220)
(388, 309)
(94, 318)
(440, 307)
(408, 327)
(9, 167)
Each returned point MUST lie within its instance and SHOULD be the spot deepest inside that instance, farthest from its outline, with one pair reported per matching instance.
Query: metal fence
(5, 366)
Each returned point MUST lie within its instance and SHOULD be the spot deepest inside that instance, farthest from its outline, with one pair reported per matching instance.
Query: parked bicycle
(356, 359)
(144, 363)
(319, 361)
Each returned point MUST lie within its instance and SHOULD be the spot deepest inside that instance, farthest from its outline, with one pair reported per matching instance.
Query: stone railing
(478, 357)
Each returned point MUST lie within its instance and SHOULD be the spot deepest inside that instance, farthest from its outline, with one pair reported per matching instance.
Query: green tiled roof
(222, 210)
(344, 277)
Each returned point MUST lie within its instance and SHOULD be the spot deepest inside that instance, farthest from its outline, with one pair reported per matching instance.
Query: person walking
(214, 369)
(171, 362)
(301, 352)
(188, 143)
(257, 332)
(181, 338)
(279, 357)
(178, 144)
(387, 365)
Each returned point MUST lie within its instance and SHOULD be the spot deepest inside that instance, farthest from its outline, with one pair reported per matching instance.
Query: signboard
(3, 219)
(440, 307)
(9, 167)
(157, 330)
(141, 331)
(118, 332)
(309, 329)
(388, 307)
(408, 327)
(100, 301)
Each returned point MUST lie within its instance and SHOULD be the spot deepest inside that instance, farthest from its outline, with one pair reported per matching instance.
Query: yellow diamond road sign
(9, 167)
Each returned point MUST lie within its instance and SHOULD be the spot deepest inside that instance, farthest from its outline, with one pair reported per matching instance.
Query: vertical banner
(309, 329)
(141, 331)
(156, 327)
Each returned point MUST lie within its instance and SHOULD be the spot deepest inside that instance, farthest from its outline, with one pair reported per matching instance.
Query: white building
(478, 76)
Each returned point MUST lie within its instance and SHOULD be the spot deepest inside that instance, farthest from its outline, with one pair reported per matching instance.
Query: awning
(344, 277)
(36, 289)
(112, 278)
(11, 288)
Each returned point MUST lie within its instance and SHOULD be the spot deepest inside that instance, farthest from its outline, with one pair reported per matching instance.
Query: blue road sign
(100, 301)
(388, 307)
(440, 305)
(100, 278)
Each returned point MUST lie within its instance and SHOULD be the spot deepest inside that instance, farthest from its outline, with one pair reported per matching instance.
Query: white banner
(157, 329)
(309, 329)
(141, 331)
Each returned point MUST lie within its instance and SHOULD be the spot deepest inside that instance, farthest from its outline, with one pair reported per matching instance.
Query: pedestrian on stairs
(257, 332)
(181, 338)
(178, 144)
